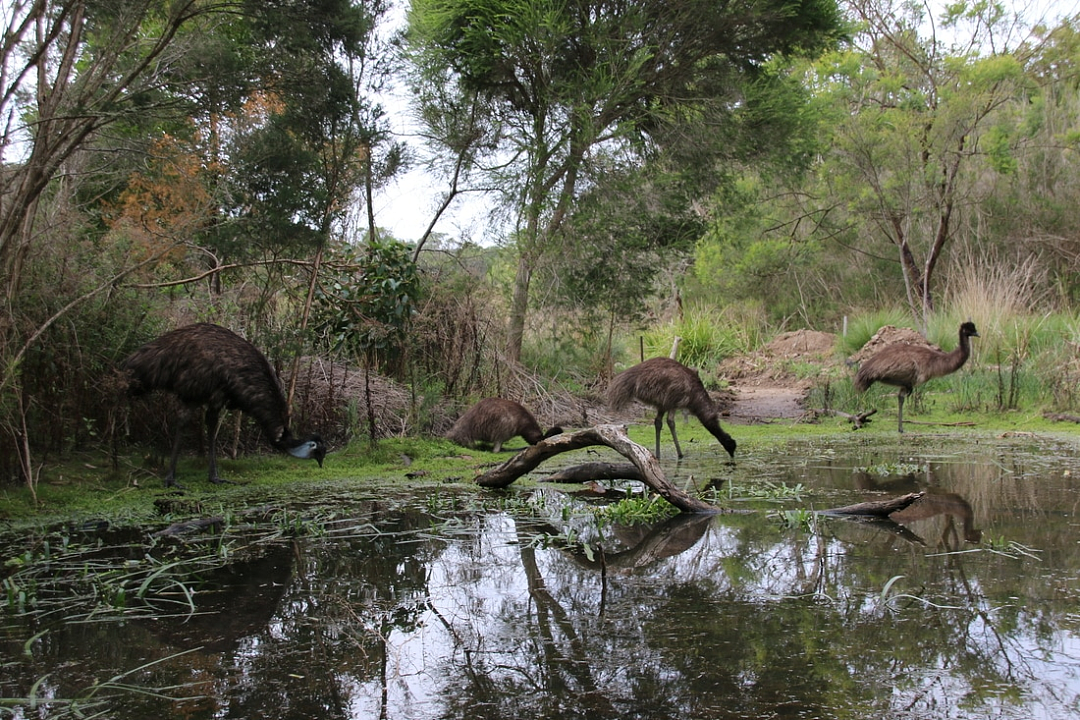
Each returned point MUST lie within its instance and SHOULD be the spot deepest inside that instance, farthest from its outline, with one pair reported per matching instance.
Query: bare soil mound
(802, 342)
(888, 335)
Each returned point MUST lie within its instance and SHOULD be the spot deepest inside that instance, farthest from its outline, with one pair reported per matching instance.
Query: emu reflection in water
(946, 508)
(234, 602)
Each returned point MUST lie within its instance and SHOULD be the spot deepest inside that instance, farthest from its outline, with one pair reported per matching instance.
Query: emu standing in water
(206, 364)
(496, 420)
(905, 366)
(668, 385)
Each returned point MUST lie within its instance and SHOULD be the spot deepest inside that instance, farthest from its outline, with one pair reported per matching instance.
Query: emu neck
(946, 363)
(960, 355)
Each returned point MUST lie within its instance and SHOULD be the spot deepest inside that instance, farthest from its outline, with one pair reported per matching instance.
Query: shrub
(861, 328)
(706, 337)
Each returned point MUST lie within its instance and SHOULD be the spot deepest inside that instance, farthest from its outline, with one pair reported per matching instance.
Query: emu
(951, 505)
(208, 365)
(905, 366)
(496, 420)
(668, 385)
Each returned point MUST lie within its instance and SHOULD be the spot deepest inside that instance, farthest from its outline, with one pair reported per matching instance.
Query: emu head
(310, 448)
(968, 328)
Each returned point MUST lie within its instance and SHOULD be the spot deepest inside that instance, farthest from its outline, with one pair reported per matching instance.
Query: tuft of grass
(636, 509)
(798, 519)
(707, 336)
(992, 292)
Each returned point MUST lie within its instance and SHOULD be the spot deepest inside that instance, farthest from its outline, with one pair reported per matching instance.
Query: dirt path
(767, 402)
(763, 385)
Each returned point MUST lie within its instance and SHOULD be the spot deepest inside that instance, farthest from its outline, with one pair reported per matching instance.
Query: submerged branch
(879, 508)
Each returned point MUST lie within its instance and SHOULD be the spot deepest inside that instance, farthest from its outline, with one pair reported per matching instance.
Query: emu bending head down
(668, 385)
(208, 365)
(494, 421)
(906, 366)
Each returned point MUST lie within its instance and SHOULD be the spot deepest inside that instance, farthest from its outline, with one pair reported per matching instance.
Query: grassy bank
(87, 489)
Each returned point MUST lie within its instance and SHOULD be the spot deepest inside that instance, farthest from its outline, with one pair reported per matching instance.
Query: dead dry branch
(612, 436)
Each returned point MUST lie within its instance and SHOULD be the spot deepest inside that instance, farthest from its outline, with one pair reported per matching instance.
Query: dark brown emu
(496, 420)
(906, 366)
(208, 365)
(668, 385)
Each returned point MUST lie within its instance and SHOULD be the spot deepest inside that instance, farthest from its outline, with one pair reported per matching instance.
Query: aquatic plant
(797, 519)
(766, 490)
(95, 699)
(636, 509)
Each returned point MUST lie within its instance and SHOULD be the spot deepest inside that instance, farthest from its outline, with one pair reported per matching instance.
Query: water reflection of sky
(521, 612)
(409, 608)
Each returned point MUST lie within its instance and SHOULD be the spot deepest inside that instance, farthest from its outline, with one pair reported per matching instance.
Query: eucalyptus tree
(560, 84)
(915, 112)
(71, 68)
(1034, 164)
(326, 136)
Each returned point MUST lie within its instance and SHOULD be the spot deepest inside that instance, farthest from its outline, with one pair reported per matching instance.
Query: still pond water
(458, 602)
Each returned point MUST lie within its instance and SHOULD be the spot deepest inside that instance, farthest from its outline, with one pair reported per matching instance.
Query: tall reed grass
(707, 336)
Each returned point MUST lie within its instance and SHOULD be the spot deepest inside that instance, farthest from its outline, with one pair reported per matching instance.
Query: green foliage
(368, 299)
(997, 143)
(580, 93)
(706, 337)
(636, 510)
(798, 519)
(861, 327)
(767, 490)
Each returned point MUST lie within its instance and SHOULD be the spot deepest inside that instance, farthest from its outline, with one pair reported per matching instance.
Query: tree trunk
(519, 307)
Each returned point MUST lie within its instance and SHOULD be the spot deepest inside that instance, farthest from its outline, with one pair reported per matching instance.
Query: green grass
(861, 328)
(707, 337)
(85, 488)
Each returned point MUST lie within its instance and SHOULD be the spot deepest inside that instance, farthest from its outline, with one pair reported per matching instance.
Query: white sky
(407, 206)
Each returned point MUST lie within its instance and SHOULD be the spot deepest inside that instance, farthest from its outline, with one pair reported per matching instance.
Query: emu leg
(170, 479)
(900, 396)
(658, 423)
(212, 421)
(671, 427)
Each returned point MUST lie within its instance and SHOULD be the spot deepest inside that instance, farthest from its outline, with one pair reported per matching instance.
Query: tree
(86, 66)
(187, 129)
(566, 83)
(911, 125)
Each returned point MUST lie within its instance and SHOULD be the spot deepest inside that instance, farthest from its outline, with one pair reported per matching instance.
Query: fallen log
(858, 419)
(588, 472)
(879, 508)
(612, 436)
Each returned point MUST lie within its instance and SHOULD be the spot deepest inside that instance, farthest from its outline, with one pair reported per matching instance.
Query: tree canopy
(567, 85)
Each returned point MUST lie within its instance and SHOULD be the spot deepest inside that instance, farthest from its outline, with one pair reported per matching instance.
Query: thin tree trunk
(519, 307)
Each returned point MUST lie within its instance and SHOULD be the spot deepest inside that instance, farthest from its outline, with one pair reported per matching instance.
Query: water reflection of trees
(497, 616)
(398, 612)
(745, 621)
